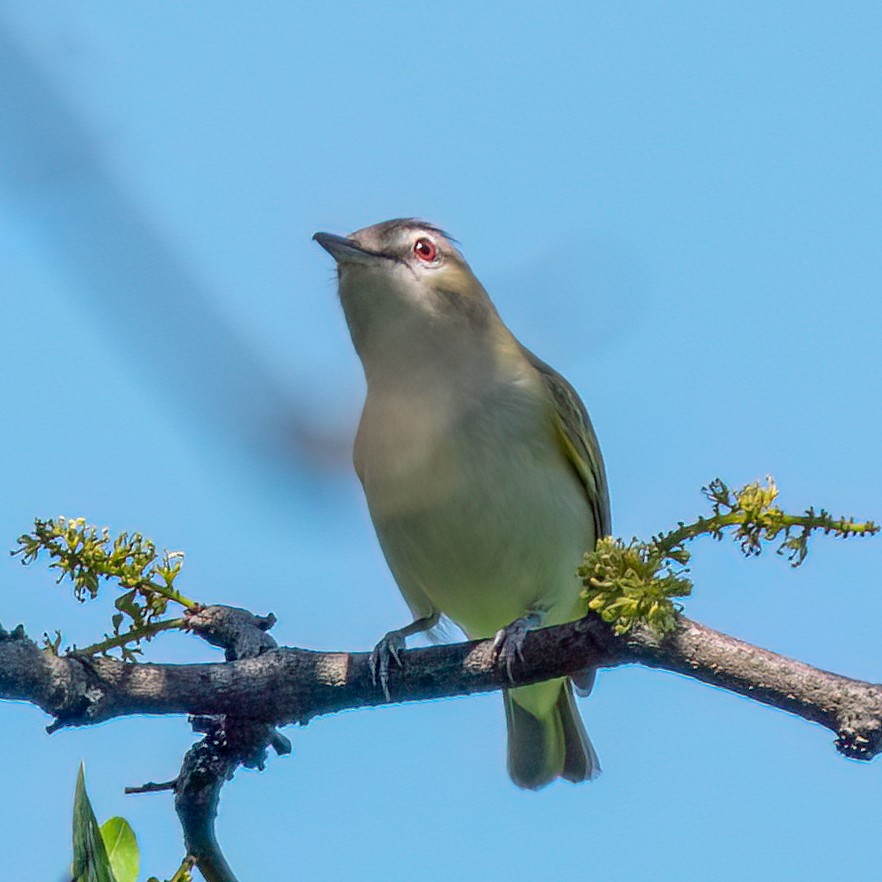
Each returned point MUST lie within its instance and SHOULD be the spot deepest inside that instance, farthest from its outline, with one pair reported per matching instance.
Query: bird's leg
(508, 644)
(389, 649)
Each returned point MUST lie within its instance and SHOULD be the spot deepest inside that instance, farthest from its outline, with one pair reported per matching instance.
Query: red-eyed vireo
(481, 470)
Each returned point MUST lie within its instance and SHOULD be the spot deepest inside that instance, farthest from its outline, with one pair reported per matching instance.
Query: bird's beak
(345, 250)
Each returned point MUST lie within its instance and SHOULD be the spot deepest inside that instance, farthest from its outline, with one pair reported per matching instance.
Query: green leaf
(90, 861)
(122, 849)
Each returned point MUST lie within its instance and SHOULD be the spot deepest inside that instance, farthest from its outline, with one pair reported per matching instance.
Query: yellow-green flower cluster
(89, 556)
(628, 584)
(634, 583)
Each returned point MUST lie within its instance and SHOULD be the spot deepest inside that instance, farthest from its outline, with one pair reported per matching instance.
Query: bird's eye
(425, 249)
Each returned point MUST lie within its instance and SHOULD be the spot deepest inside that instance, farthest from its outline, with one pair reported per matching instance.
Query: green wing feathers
(578, 442)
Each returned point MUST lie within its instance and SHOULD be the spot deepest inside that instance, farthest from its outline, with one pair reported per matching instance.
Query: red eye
(425, 249)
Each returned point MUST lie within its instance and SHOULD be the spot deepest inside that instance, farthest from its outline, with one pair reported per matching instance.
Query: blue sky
(678, 205)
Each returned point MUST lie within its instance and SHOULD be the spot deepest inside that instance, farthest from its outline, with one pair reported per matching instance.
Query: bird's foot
(388, 650)
(508, 644)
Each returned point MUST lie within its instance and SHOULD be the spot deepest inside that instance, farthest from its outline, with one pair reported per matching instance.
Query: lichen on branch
(632, 583)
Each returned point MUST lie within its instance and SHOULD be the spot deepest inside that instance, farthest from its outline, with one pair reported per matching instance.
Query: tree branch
(286, 685)
(228, 743)
(852, 709)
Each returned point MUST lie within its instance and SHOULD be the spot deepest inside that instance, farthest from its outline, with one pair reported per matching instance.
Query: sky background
(679, 205)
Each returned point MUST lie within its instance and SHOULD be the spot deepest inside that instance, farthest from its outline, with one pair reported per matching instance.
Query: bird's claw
(381, 658)
(508, 644)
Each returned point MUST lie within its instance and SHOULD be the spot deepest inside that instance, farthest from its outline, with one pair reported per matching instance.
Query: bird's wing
(578, 442)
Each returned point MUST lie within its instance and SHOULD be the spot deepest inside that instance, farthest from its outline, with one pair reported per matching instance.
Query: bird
(482, 473)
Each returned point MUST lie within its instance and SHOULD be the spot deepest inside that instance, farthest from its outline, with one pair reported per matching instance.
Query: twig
(152, 787)
(131, 636)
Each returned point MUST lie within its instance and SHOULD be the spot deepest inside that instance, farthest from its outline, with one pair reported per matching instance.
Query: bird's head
(404, 285)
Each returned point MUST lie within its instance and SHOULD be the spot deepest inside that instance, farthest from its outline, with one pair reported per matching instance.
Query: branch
(852, 709)
(230, 741)
(287, 685)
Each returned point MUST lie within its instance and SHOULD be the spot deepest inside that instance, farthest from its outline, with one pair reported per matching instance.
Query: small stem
(169, 593)
(132, 636)
(152, 787)
(692, 531)
(183, 872)
(778, 522)
(842, 526)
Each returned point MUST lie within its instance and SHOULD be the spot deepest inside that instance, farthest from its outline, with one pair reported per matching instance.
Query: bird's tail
(546, 737)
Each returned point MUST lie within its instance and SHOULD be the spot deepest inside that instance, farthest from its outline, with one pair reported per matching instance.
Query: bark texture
(278, 685)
